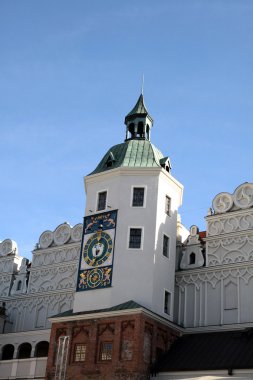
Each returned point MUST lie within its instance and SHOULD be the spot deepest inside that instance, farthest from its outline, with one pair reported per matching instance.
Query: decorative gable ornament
(241, 199)
(192, 251)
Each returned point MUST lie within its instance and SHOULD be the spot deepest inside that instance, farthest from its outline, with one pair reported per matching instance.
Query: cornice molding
(117, 313)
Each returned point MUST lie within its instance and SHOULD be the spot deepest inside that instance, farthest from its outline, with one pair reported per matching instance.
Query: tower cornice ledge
(125, 171)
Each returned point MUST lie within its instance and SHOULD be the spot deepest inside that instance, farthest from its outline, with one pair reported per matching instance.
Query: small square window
(138, 197)
(168, 205)
(101, 201)
(167, 302)
(166, 245)
(135, 238)
(80, 353)
(106, 351)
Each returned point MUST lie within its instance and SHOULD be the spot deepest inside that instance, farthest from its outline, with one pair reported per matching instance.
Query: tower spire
(142, 85)
(138, 120)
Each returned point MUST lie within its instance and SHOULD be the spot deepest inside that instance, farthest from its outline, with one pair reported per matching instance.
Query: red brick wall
(137, 340)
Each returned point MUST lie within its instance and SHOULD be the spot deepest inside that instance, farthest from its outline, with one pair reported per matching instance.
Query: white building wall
(220, 292)
(135, 271)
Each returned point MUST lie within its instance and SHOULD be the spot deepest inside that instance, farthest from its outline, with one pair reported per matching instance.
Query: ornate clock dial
(97, 249)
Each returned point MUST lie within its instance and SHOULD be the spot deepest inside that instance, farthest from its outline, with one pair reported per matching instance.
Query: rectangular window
(80, 352)
(138, 197)
(135, 238)
(167, 302)
(166, 245)
(168, 205)
(106, 351)
(101, 201)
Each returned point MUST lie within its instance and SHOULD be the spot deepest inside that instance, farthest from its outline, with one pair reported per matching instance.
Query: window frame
(102, 344)
(192, 258)
(169, 302)
(142, 237)
(168, 246)
(167, 210)
(75, 353)
(97, 200)
(144, 195)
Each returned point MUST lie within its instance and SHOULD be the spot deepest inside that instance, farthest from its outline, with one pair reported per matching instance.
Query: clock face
(97, 249)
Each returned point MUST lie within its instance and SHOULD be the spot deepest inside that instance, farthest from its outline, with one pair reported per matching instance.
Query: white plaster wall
(134, 273)
(29, 312)
(164, 268)
(209, 300)
(34, 368)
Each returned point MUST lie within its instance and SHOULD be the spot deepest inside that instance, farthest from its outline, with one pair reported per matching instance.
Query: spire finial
(142, 84)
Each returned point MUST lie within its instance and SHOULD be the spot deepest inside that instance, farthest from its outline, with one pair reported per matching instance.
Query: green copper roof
(129, 305)
(139, 109)
(132, 153)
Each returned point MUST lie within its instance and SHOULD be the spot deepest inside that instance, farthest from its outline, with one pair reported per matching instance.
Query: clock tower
(123, 306)
(130, 225)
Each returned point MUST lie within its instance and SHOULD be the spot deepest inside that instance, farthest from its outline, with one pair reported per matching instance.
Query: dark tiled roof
(123, 306)
(139, 108)
(209, 351)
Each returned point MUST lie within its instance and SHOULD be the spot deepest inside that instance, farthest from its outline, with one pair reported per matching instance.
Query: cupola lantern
(138, 122)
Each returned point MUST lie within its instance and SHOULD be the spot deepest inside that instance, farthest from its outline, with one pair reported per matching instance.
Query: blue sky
(71, 70)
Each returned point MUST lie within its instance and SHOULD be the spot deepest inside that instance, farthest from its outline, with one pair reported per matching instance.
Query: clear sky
(71, 70)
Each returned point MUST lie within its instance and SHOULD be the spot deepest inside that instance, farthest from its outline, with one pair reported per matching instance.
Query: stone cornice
(125, 171)
(216, 268)
(26, 333)
(55, 265)
(42, 251)
(22, 297)
(228, 235)
(229, 214)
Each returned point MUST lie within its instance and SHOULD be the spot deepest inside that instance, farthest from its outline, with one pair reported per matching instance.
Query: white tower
(131, 257)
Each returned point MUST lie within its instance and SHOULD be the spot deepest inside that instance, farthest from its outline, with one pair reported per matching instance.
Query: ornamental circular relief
(243, 195)
(62, 234)
(95, 276)
(46, 239)
(7, 246)
(222, 203)
(76, 233)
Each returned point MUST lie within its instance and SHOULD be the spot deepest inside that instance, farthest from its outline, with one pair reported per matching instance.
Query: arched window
(110, 160)
(24, 351)
(148, 133)
(140, 130)
(7, 352)
(131, 129)
(192, 258)
(19, 285)
(41, 349)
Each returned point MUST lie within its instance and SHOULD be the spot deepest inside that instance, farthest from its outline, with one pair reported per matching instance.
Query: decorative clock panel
(96, 257)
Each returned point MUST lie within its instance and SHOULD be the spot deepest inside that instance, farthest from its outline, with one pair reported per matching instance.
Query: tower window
(141, 129)
(135, 238)
(101, 201)
(167, 302)
(109, 162)
(138, 197)
(80, 353)
(168, 205)
(106, 351)
(132, 130)
(166, 243)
